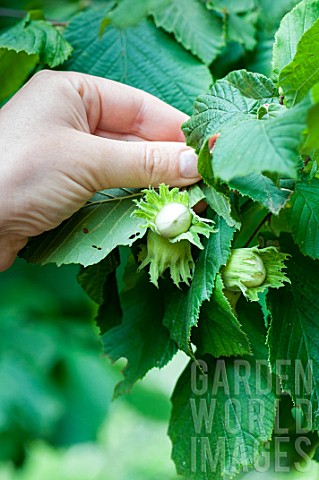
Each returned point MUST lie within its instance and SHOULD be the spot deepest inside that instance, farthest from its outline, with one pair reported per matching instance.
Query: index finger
(128, 110)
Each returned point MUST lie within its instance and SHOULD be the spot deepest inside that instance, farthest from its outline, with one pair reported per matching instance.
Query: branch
(10, 12)
(264, 220)
(57, 24)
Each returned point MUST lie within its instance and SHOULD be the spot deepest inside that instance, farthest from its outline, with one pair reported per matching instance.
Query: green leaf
(232, 6)
(184, 305)
(128, 56)
(15, 69)
(141, 337)
(312, 142)
(217, 409)
(292, 28)
(251, 215)
(195, 194)
(23, 46)
(293, 336)
(255, 185)
(265, 146)
(241, 29)
(92, 278)
(270, 15)
(240, 20)
(204, 164)
(129, 13)
(251, 318)
(220, 203)
(261, 58)
(297, 78)
(37, 37)
(273, 110)
(110, 312)
(219, 332)
(194, 27)
(232, 99)
(304, 217)
(315, 456)
(90, 234)
(263, 190)
(124, 278)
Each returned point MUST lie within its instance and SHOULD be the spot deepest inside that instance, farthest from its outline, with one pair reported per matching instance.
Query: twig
(10, 12)
(57, 24)
(112, 199)
(264, 220)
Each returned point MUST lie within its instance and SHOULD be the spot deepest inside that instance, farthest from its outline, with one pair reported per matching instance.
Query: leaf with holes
(92, 233)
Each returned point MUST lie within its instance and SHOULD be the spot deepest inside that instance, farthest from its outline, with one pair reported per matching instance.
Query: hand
(66, 135)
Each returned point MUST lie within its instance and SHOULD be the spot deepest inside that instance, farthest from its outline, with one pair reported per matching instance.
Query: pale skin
(66, 135)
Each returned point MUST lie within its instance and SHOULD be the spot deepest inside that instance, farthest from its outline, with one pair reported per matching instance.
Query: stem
(10, 12)
(111, 199)
(264, 220)
(57, 24)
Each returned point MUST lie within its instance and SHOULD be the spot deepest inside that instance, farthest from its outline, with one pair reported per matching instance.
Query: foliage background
(55, 386)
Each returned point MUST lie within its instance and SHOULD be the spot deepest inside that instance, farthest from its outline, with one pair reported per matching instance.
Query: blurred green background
(57, 418)
(56, 386)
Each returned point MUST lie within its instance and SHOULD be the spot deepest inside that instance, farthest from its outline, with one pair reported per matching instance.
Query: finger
(200, 206)
(212, 141)
(108, 163)
(115, 107)
(118, 136)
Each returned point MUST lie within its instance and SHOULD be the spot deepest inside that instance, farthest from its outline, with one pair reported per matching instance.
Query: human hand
(66, 135)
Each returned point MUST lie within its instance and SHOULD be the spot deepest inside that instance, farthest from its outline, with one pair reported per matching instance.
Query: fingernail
(188, 164)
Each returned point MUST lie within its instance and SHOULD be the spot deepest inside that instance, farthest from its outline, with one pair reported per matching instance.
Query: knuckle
(49, 82)
(50, 78)
(138, 122)
(152, 164)
(44, 75)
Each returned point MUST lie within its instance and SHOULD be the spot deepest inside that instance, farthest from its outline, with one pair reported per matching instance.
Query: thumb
(114, 163)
